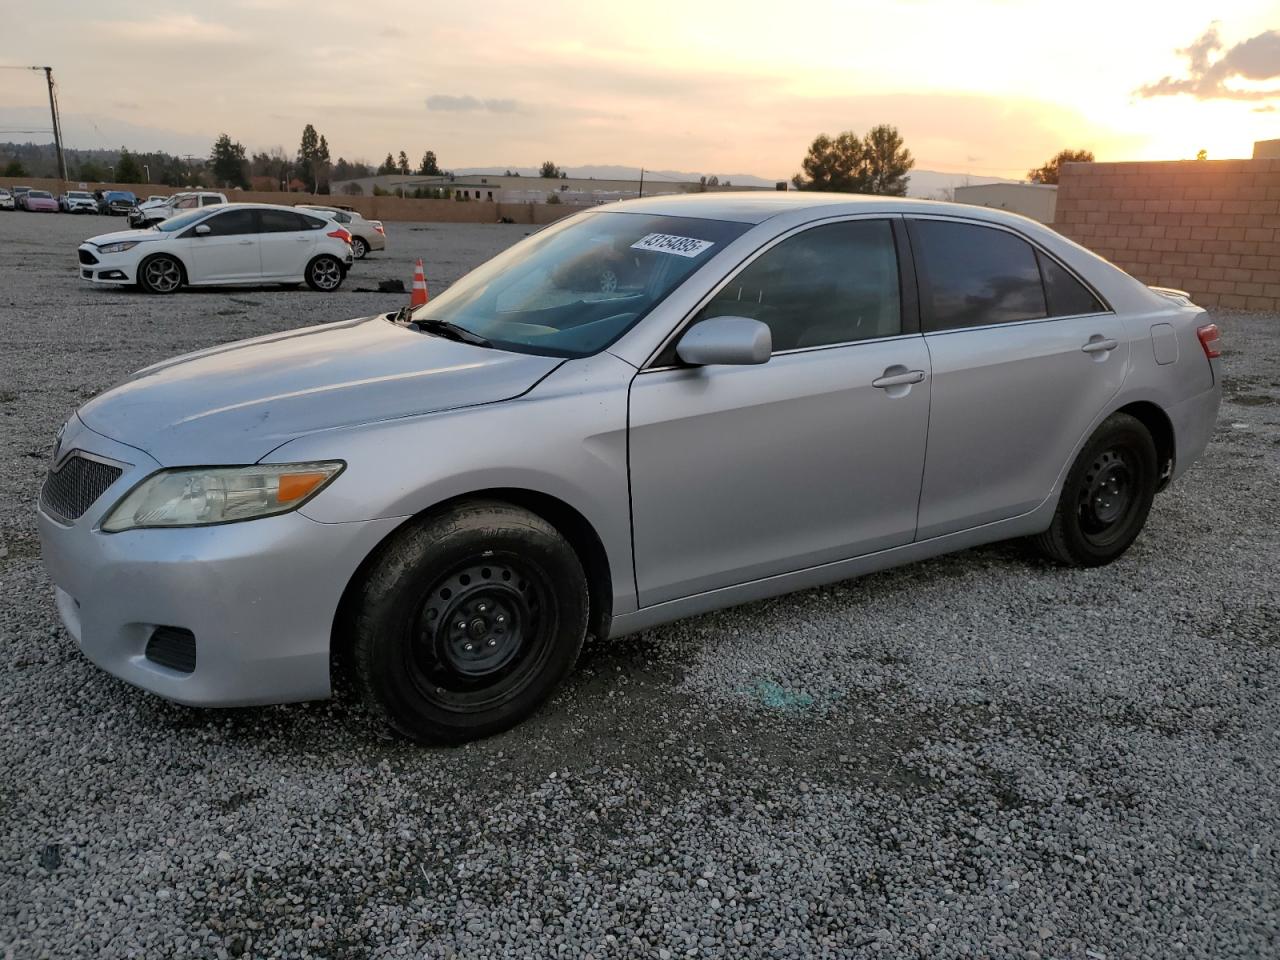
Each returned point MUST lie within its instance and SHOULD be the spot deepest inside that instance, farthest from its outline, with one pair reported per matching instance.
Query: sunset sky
(984, 87)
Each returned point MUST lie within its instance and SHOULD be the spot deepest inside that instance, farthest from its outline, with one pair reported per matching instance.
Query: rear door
(745, 472)
(1025, 357)
(229, 252)
(288, 242)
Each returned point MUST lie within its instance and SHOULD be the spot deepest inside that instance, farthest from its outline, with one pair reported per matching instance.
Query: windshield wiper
(450, 331)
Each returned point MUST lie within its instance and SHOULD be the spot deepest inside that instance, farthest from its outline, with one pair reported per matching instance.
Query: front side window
(187, 203)
(836, 283)
(231, 223)
(973, 275)
(572, 289)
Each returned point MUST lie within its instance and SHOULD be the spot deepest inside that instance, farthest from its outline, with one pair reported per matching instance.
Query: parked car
(807, 388)
(39, 201)
(366, 235)
(117, 203)
(155, 198)
(152, 213)
(6, 199)
(77, 201)
(225, 245)
(19, 197)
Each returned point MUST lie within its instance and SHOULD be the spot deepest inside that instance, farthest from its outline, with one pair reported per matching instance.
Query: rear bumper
(1193, 422)
(260, 597)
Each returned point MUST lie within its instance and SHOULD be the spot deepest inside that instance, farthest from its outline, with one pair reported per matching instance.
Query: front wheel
(160, 274)
(359, 248)
(324, 273)
(1107, 496)
(468, 621)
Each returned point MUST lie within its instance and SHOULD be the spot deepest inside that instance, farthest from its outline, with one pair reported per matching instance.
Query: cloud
(1256, 59)
(1269, 108)
(169, 27)
(468, 103)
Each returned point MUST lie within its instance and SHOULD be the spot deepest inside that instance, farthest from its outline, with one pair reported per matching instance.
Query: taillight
(1210, 340)
(342, 235)
(378, 227)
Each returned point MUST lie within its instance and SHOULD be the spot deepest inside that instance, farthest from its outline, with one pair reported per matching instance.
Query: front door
(745, 472)
(1025, 357)
(228, 252)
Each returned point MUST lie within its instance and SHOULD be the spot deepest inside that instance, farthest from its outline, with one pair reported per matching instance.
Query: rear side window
(209, 200)
(311, 223)
(835, 283)
(1066, 296)
(281, 221)
(973, 275)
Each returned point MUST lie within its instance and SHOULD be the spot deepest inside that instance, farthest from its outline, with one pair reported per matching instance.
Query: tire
(161, 274)
(325, 273)
(467, 622)
(359, 249)
(1106, 498)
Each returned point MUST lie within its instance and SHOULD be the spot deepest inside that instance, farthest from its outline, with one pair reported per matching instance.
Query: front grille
(174, 648)
(87, 258)
(72, 489)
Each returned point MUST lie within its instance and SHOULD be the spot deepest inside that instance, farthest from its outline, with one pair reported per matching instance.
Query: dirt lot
(978, 756)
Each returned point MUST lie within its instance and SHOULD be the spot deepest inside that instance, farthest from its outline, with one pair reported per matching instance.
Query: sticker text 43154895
(668, 243)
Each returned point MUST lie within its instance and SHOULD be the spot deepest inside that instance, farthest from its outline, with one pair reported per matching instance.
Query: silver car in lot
(780, 390)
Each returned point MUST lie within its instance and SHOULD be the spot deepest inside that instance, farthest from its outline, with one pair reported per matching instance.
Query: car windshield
(182, 221)
(574, 288)
(40, 194)
(80, 195)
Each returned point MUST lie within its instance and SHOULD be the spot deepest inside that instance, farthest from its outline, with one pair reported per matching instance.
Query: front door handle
(244, 243)
(898, 379)
(1099, 344)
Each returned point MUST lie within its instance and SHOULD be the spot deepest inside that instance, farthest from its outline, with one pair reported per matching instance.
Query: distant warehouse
(1038, 201)
(501, 188)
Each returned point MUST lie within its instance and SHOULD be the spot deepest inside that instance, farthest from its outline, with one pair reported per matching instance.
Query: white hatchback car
(220, 246)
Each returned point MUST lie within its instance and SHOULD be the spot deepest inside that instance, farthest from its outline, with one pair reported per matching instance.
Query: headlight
(118, 247)
(208, 495)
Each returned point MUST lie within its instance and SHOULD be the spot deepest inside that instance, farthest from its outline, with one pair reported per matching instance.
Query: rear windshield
(574, 288)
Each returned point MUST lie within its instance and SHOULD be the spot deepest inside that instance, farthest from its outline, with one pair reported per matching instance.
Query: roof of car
(756, 206)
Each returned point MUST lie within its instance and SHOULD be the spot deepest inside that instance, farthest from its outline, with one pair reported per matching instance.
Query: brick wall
(378, 208)
(1210, 227)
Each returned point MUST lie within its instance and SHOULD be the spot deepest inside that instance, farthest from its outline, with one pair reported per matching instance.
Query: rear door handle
(1099, 344)
(898, 379)
(245, 243)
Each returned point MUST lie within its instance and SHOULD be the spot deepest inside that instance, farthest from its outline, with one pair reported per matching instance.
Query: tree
(430, 167)
(14, 168)
(402, 165)
(127, 169)
(311, 163)
(1202, 154)
(549, 171)
(877, 163)
(887, 161)
(228, 162)
(1050, 171)
(321, 166)
(90, 172)
(388, 166)
(837, 165)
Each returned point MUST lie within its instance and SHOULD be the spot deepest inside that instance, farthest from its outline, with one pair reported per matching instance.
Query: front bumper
(113, 269)
(260, 596)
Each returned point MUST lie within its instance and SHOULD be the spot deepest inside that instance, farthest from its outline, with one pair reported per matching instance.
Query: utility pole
(641, 194)
(57, 127)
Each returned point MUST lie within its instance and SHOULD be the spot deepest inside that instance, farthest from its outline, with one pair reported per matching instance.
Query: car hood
(238, 402)
(120, 235)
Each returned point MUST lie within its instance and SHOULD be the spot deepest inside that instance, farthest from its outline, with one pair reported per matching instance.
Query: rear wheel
(359, 248)
(1107, 496)
(468, 621)
(160, 274)
(324, 273)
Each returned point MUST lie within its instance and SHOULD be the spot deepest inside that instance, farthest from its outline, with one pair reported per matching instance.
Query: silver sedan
(643, 412)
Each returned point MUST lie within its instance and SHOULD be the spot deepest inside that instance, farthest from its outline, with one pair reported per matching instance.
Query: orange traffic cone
(419, 295)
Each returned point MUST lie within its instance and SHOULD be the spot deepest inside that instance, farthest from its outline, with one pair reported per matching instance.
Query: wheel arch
(1158, 424)
(176, 258)
(567, 520)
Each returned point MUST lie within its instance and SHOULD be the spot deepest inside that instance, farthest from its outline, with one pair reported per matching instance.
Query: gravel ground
(978, 756)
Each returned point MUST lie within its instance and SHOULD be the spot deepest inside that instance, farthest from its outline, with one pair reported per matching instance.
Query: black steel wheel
(160, 274)
(1106, 497)
(468, 621)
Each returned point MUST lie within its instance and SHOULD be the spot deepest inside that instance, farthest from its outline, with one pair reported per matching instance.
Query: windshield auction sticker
(666, 243)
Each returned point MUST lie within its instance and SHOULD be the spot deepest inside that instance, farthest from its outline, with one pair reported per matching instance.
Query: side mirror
(726, 340)
(203, 230)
